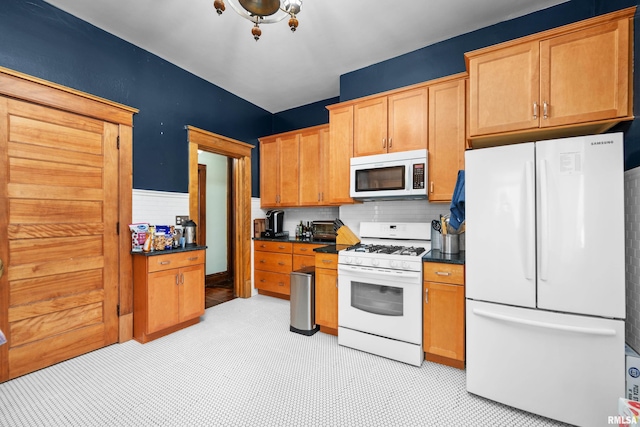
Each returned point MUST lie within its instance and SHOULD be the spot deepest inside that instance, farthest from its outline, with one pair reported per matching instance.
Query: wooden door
(370, 127)
(191, 292)
(443, 328)
(326, 297)
(446, 138)
(268, 172)
(408, 120)
(340, 153)
(584, 75)
(503, 87)
(59, 198)
(310, 169)
(288, 170)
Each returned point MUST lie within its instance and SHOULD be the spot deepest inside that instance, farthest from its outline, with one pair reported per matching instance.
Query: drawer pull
(263, 245)
(303, 249)
(177, 279)
(280, 283)
(263, 261)
(262, 280)
(426, 296)
(443, 273)
(281, 247)
(327, 261)
(281, 263)
(164, 262)
(193, 258)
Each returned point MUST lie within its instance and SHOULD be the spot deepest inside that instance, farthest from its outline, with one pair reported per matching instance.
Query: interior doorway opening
(239, 154)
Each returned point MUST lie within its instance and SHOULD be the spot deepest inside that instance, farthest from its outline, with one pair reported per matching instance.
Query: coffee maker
(274, 224)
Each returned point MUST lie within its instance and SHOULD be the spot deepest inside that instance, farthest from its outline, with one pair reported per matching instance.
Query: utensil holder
(450, 244)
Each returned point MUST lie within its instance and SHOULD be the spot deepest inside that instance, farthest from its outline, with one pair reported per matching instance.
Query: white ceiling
(284, 70)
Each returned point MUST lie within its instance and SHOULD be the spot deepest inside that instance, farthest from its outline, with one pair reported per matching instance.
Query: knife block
(346, 237)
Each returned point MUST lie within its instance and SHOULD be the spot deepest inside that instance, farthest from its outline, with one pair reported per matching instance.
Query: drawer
(327, 261)
(271, 261)
(305, 248)
(302, 261)
(263, 245)
(175, 260)
(273, 282)
(444, 273)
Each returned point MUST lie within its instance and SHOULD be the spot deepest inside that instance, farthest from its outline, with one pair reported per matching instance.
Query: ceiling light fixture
(263, 12)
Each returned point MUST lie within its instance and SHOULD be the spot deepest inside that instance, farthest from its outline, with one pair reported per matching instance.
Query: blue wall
(40, 40)
(43, 41)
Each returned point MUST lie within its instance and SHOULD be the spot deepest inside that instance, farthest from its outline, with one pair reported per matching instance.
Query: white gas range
(380, 290)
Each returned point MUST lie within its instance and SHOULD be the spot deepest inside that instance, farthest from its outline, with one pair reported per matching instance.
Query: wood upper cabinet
(340, 152)
(396, 122)
(279, 170)
(574, 76)
(446, 137)
(294, 168)
(443, 314)
(168, 292)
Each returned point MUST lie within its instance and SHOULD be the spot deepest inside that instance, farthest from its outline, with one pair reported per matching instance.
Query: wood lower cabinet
(326, 292)
(571, 80)
(443, 314)
(274, 261)
(168, 293)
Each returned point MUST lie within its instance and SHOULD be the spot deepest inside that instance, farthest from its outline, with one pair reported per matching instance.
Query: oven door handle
(378, 272)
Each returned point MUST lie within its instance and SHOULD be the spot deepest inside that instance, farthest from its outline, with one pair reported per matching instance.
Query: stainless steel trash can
(303, 302)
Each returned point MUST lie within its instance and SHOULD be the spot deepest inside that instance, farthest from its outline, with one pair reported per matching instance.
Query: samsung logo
(602, 142)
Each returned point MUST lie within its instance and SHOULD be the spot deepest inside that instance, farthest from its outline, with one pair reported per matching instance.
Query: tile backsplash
(632, 256)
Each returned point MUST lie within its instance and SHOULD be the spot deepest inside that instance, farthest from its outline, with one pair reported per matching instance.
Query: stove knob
(375, 262)
(394, 264)
(358, 260)
(405, 265)
(348, 260)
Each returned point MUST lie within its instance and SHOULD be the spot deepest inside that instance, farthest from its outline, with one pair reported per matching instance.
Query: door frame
(240, 152)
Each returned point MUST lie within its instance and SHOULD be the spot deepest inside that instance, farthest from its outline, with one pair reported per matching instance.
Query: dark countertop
(331, 249)
(171, 251)
(290, 240)
(436, 256)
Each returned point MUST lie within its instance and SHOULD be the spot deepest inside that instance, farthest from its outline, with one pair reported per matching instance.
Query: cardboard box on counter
(632, 363)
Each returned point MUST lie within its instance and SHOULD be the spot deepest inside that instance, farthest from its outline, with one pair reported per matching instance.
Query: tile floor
(241, 366)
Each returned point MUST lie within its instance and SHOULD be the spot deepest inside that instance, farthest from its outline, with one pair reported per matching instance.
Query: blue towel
(457, 203)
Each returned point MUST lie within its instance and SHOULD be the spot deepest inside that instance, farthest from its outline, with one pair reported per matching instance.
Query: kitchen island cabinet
(443, 313)
(572, 80)
(168, 292)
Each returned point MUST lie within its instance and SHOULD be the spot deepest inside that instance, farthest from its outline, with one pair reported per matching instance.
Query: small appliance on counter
(274, 224)
(189, 231)
(323, 230)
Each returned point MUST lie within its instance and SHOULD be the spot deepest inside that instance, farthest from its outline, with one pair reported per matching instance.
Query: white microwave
(391, 176)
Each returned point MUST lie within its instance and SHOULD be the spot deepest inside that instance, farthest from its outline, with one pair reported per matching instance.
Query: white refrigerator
(545, 273)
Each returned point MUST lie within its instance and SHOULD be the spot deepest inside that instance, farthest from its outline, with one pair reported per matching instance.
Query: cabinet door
(370, 127)
(443, 329)
(268, 172)
(341, 151)
(408, 120)
(585, 75)
(446, 138)
(503, 88)
(310, 167)
(162, 300)
(288, 170)
(302, 261)
(191, 292)
(327, 297)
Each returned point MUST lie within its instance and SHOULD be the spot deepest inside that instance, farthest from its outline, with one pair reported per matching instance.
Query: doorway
(239, 155)
(215, 225)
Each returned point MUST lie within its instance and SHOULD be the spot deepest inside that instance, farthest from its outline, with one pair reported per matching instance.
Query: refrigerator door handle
(530, 222)
(545, 325)
(544, 220)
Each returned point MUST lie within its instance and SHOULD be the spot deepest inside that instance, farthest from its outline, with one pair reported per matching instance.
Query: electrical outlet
(181, 219)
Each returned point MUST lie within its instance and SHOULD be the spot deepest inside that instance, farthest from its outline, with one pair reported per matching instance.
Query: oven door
(381, 302)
